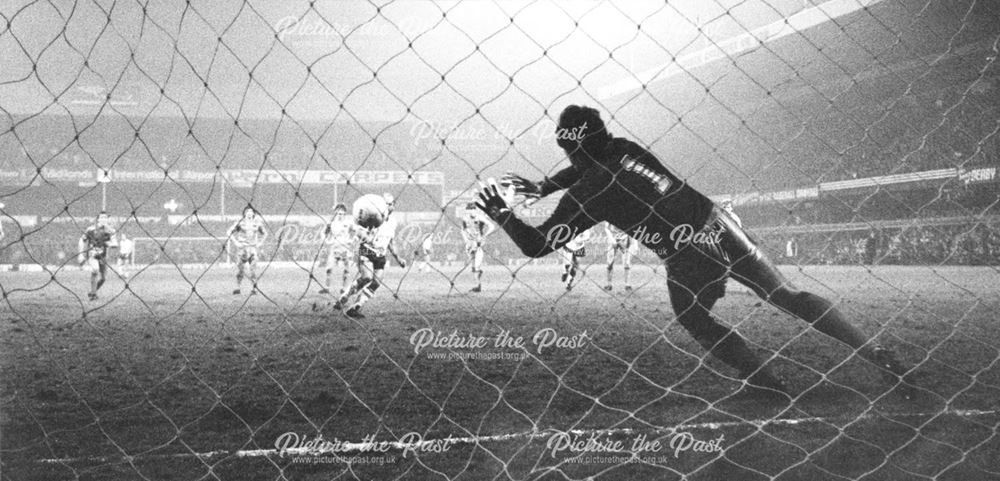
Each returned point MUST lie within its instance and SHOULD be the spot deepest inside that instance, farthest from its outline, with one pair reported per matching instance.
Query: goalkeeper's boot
(476, 289)
(893, 371)
(354, 313)
(628, 288)
(236, 291)
(339, 304)
(608, 287)
(92, 296)
(324, 291)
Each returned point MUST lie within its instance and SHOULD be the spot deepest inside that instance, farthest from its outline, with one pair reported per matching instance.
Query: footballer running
(615, 180)
(377, 233)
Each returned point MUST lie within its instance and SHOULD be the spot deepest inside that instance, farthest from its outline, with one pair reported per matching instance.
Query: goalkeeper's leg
(694, 314)
(753, 269)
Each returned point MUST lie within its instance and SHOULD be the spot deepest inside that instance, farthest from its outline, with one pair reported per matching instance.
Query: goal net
(857, 141)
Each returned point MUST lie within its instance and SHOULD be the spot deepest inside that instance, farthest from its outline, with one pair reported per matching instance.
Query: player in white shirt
(475, 228)
(424, 251)
(339, 238)
(572, 252)
(727, 205)
(375, 244)
(126, 255)
(247, 236)
(619, 243)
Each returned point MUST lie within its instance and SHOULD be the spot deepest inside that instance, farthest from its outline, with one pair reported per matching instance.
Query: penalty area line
(365, 447)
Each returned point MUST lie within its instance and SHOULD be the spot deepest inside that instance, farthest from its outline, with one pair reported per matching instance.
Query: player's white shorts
(93, 263)
(569, 256)
(626, 250)
(475, 253)
(335, 255)
(247, 254)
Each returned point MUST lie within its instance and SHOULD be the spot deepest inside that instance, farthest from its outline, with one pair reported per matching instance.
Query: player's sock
(628, 285)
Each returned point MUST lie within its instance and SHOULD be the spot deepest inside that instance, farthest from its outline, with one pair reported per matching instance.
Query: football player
(247, 236)
(727, 205)
(615, 180)
(475, 228)
(619, 244)
(93, 252)
(339, 238)
(423, 253)
(376, 242)
(126, 254)
(571, 253)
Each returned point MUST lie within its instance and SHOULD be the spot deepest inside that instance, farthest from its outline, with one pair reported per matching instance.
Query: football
(370, 210)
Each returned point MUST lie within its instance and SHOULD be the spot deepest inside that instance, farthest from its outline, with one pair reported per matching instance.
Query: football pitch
(174, 377)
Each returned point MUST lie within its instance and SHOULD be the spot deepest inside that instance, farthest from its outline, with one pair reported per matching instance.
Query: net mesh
(857, 140)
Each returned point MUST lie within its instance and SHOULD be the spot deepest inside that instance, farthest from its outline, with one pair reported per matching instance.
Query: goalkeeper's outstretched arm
(566, 222)
(561, 180)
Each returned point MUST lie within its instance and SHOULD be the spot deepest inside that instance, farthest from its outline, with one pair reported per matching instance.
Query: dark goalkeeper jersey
(628, 188)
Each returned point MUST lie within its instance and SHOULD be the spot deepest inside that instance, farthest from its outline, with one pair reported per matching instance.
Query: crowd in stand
(923, 245)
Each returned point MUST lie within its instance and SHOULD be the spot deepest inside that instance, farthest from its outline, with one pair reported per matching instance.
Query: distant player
(475, 228)
(620, 244)
(376, 242)
(572, 252)
(339, 238)
(615, 180)
(423, 253)
(93, 252)
(247, 235)
(126, 255)
(727, 205)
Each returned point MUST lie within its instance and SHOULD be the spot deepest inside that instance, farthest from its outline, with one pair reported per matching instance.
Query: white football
(370, 210)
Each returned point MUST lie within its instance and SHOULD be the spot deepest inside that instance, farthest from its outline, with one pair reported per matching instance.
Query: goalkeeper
(616, 180)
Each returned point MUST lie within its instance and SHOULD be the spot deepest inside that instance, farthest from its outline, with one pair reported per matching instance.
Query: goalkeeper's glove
(491, 202)
(521, 185)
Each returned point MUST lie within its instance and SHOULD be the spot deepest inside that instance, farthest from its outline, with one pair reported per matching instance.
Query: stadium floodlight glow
(737, 44)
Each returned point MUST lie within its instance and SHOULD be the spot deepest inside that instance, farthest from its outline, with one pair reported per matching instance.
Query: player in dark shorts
(615, 180)
(93, 252)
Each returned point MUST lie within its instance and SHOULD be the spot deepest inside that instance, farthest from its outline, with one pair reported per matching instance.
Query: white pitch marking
(346, 447)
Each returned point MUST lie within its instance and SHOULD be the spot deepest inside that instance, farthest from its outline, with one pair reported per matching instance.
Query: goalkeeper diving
(615, 180)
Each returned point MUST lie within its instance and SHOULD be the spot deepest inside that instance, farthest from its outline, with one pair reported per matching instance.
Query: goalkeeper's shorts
(703, 267)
